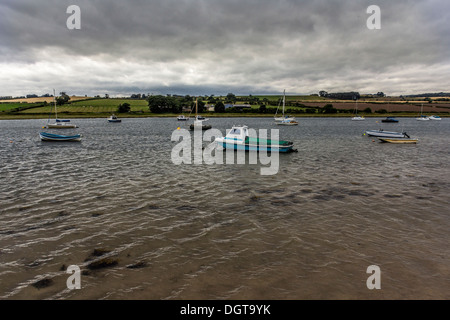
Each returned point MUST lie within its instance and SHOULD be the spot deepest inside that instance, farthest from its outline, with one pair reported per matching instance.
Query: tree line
(160, 104)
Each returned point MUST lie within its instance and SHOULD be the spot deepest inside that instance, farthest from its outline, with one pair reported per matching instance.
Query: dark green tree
(123, 108)
(161, 104)
(64, 98)
(219, 107)
(231, 98)
(328, 108)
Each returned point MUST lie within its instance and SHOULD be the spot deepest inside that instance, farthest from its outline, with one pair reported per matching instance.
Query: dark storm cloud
(252, 45)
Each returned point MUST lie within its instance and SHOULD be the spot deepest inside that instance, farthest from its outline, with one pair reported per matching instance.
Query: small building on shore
(238, 106)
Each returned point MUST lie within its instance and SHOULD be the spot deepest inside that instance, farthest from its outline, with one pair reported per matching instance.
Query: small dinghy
(45, 136)
(400, 141)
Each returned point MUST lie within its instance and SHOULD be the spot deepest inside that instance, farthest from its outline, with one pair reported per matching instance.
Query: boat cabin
(238, 133)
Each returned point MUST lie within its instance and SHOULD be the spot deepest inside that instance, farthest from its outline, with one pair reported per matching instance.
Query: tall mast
(54, 101)
(196, 107)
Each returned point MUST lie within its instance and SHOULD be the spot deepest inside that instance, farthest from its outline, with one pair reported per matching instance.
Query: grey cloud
(248, 44)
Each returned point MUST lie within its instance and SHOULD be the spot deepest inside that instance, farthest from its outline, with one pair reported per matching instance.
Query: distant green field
(5, 107)
(291, 98)
(94, 106)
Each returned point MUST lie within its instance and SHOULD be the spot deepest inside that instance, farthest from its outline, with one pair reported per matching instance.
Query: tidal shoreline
(234, 115)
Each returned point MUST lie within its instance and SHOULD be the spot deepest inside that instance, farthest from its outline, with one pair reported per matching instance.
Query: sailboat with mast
(356, 117)
(422, 117)
(198, 122)
(285, 120)
(58, 124)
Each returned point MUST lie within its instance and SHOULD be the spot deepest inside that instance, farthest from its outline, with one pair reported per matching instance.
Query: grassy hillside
(95, 106)
(295, 105)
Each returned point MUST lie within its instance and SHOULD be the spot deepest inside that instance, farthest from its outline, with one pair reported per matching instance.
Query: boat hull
(389, 120)
(57, 137)
(249, 147)
(255, 144)
(61, 125)
(200, 127)
(386, 134)
(287, 123)
(399, 141)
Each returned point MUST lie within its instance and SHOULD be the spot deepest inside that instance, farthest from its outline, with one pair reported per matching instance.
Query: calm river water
(344, 202)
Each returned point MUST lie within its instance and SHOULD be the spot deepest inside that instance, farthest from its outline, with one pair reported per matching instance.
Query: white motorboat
(238, 138)
(182, 118)
(386, 134)
(113, 118)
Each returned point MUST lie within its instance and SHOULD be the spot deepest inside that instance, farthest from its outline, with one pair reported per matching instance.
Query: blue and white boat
(45, 136)
(422, 117)
(238, 139)
(113, 118)
(59, 123)
(182, 118)
(386, 134)
(390, 119)
(435, 118)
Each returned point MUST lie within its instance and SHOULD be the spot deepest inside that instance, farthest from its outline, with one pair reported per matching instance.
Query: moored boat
(113, 118)
(390, 119)
(435, 118)
(59, 123)
(287, 122)
(198, 122)
(386, 134)
(238, 139)
(398, 140)
(423, 118)
(357, 117)
(45, 136)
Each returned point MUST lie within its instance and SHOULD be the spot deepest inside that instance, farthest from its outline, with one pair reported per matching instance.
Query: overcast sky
(204, 47)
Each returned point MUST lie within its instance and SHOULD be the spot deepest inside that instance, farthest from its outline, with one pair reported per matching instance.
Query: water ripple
(223, 231)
